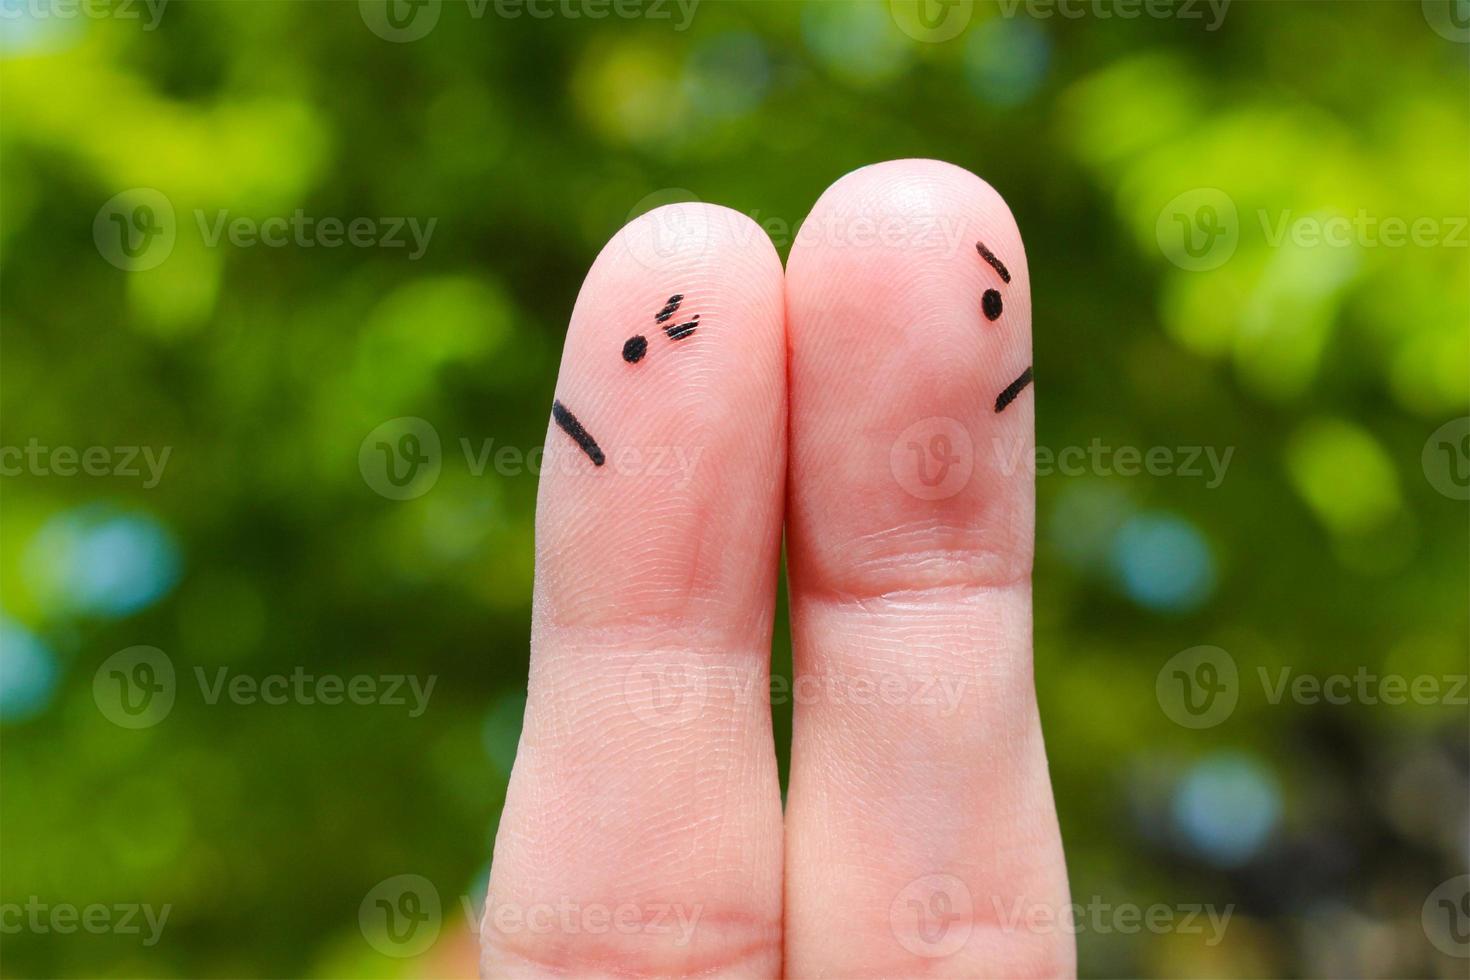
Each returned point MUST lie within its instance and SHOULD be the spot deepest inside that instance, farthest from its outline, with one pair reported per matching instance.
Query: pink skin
(919, 822)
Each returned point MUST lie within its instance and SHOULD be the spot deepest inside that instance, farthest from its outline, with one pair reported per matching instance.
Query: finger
(641, 833)
(919, 813)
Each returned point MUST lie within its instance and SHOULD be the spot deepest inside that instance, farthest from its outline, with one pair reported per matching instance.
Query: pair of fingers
(872, 399)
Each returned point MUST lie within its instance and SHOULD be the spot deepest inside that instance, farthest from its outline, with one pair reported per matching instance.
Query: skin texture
(643, 830)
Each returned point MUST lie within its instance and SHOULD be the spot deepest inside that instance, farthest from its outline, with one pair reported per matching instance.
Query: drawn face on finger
(992, 305)
(637, 345)
(635, 348)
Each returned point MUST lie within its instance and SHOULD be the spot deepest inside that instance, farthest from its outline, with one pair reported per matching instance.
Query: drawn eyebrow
(637, 345)
(682, 330)
(580, 436)
(1012, 390)
(995, 263)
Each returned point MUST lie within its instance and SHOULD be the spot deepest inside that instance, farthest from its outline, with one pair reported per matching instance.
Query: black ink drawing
(991, 303)
(1012, 390)
(580, 436)
(991, 306)
(637, 345)
(634, 349)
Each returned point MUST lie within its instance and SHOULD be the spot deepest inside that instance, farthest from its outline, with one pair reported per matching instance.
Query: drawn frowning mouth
(569, 424)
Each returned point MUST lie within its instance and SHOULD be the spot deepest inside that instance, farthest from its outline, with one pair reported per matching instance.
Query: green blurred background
(1167, 170)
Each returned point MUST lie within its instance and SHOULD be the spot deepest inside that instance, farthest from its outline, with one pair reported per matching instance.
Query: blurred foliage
(1325, 548)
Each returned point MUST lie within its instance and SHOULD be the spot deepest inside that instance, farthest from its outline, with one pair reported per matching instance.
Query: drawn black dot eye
(634, 348)
(991, 304)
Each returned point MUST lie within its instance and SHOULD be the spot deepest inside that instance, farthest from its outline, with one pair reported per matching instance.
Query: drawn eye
(637, 345)
(990, 303)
